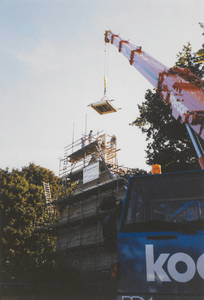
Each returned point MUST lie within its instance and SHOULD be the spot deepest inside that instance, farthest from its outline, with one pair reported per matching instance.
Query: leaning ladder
(48, 197)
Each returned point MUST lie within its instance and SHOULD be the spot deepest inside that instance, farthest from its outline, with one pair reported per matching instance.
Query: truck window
(135, 213)
(177, 211)
(149, 214)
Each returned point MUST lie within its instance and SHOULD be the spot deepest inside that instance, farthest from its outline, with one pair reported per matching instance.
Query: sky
(53, 61)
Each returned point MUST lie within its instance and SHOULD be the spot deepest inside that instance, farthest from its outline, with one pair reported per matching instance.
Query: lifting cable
(104, 106)
(106, 57)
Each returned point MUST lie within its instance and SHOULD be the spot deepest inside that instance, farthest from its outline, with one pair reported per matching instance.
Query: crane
(179, 87)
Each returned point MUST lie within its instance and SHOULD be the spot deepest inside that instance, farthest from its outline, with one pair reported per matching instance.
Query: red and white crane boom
(179, 87)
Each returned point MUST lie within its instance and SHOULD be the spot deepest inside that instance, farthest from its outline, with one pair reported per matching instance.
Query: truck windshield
(177, 211)
(144, 213)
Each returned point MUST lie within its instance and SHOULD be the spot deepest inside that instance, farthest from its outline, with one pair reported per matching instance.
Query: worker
(113, 140)
(90, 136)
(82, 142)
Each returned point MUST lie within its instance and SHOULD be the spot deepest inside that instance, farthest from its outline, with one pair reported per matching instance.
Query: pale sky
(52, 66)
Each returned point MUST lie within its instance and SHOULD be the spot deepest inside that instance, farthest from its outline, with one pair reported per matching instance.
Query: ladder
(48, 197)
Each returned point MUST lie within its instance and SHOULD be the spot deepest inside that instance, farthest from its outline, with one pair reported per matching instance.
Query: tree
(168, 140)
(190, 60)
(37, 175)
(200, 52)
(23, 208)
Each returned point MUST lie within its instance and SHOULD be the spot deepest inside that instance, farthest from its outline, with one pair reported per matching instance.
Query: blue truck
(160, 240)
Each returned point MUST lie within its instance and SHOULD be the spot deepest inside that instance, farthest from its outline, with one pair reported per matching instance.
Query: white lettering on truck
(156, 267)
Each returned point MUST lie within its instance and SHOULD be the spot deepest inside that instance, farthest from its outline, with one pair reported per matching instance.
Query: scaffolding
(77, 156)
(79, 229)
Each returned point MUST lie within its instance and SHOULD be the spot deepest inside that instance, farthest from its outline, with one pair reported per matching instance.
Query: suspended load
(104, 106)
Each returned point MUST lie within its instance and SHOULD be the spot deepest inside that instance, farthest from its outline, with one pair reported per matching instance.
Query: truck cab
(160, 241)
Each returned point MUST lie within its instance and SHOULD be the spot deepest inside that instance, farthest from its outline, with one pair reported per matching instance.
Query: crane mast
(179, 87)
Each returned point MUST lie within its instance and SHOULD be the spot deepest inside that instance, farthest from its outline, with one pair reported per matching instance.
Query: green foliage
(202, 26)
(137, 172)
(190, 60)
(168, 142)
(200, 52)
(37, 175)
(23, 208)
